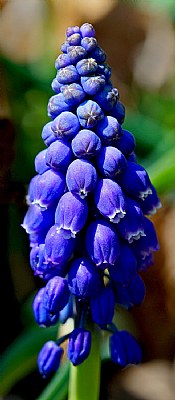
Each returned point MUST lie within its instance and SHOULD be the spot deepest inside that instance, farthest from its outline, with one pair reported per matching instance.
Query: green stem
(84, 383)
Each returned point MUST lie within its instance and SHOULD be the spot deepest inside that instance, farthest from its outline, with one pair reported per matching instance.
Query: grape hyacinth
(89, 208)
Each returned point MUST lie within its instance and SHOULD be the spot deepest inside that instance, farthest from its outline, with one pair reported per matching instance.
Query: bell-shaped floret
(73, 94)
(57, 105)
(47, 188)
(59, 155)
(124, 349)
(89, 113)
(41, 267)
(107, 96)
(37, 219)
(98, 54)
(56, 86)
(102, 306)
(89, 43)
(71, 30)
(131, 227)
(118, 112)
(92, 84)
(56, 294)
(71, 214)
(125, 266)
(67, 75)
(102, 243)
(86, 144)
(74, 39)
(132, 293)
(79, 345)
(81, 177)
(40, 162)
(41, 314)
(110, 200)
(111, 161)
(47, 134)
(151, 204)
(108, 129)
(49, 358)
(65, 126)
(57, 248)
(87, 30)
(126, 143)
(76, 53)
(62, 61)
(83, 278)
(87, 66)
(148, 242)
(135, 181)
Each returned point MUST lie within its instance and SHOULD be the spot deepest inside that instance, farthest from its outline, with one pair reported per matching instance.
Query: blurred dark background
(139, 39)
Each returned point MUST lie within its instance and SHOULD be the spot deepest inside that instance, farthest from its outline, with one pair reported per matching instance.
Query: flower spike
(88, 205)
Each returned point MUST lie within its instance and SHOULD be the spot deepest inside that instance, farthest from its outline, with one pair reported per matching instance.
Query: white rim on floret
(117, 216)
(135, 236)
(143, 195)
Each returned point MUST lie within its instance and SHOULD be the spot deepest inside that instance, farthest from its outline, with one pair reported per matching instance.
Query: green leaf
(20, 358)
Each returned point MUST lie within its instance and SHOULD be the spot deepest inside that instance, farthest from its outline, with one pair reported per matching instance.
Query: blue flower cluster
(89, 204)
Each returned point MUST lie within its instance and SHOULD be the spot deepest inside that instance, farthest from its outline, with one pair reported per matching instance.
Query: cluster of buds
(89, 203)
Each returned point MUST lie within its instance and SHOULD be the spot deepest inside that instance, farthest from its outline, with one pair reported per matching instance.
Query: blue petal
(87, 66)
(57, 248)
(102, 306)
(135, 181)
(73, 94)
(57, 105)
(41, 314)
(151, 204)
(65, 125)
(108, 129)
(47, 188)
(59, 155)
(56, 294)
(83, 278)
(79, 345)
(118, 112)
(71, 214)
(40, 162)
(76, 53)
(86, 144)
(47, 134)
(37, 219)
(81, 177)
(92, 84)
(125, 266)
(102, 243)
(49, 358)
(62, 61)
(89, 43)
(87, 30)
(67, 75)
(89, 113)
(110, 200)
(111, 161)
(126, 143)
(131, 227)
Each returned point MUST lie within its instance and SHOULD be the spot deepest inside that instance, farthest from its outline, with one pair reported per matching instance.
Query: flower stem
(84, 383)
